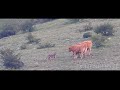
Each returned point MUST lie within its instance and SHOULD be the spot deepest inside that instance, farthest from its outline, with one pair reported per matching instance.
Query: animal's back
(87, 43)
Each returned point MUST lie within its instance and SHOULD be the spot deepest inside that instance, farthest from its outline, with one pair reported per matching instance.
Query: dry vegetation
(57, 36)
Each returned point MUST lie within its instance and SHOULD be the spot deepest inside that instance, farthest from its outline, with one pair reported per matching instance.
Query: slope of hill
(20, 21)
(63, 35)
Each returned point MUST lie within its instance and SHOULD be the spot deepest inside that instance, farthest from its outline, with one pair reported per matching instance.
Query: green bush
(98, 40)
(10, 60)
(105, 30)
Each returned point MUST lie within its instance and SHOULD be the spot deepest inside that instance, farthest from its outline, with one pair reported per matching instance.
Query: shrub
(10, 60)
(87, 35)
(31, 39)
(23, 46)
(105, 30)
(98, 40)
(46, 45)
(7, 30)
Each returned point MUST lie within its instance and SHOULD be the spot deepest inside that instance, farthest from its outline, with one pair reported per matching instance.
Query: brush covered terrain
(63, 33)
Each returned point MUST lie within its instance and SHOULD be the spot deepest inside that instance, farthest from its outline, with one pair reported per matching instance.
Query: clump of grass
(46, 45)
(105, 30)
(32, 39)
(10, 60)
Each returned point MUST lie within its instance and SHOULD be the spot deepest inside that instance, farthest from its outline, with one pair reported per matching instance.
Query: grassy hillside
(19, 21)
(58, 23)
(63, 33)
(11, 21)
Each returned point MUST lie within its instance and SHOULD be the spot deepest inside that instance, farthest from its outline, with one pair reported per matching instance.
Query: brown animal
(82, 48)
(77, 50)
(89, 46)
